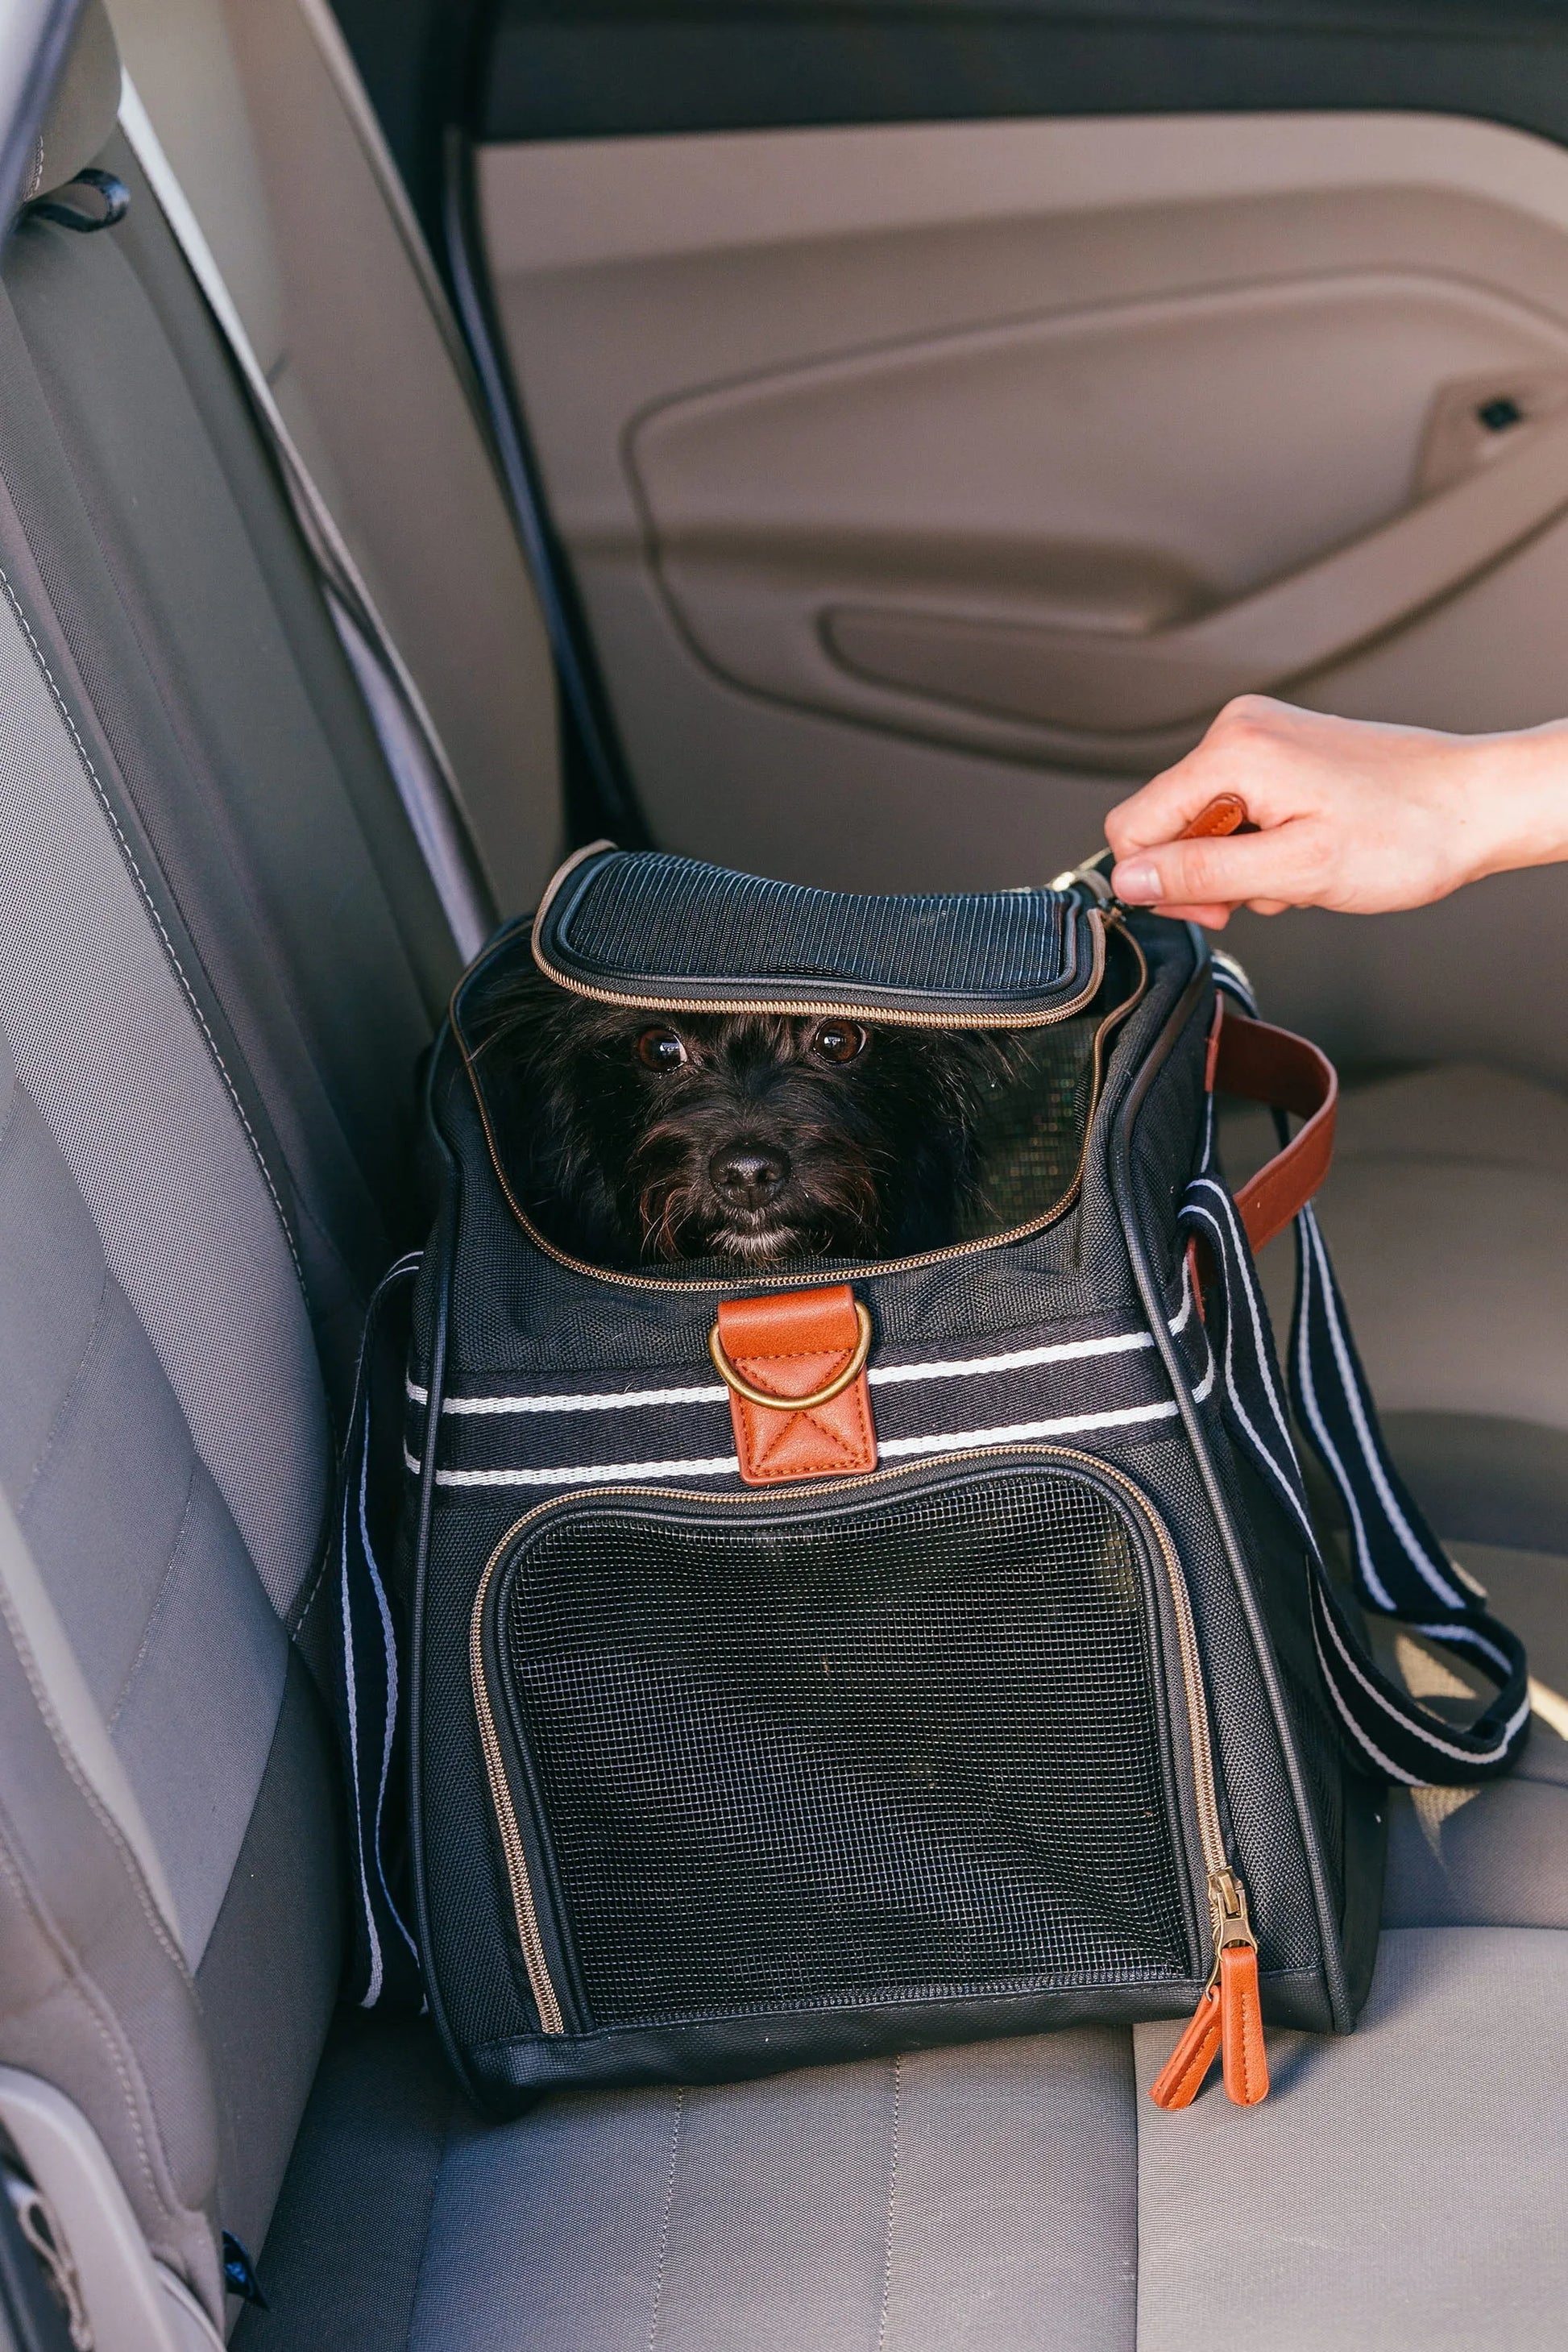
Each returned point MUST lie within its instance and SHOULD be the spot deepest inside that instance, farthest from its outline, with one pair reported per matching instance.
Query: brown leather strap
(1265, 1065)
(796, 1343)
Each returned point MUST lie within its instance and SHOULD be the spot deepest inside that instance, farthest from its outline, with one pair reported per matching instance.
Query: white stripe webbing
(1019, 1360)
(384, 1963)
(719, 1465)
(1401, 1570)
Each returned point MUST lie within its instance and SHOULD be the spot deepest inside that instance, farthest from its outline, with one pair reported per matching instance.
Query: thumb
(1210, 873)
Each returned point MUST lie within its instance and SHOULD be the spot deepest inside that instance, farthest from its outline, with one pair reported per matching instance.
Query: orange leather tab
(788, 1345)
(1241, 2026)
(1273, 1066)
(1184, 2073)
(1226, 813)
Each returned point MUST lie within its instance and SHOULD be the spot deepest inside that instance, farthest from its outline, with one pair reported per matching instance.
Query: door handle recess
(1124, 684)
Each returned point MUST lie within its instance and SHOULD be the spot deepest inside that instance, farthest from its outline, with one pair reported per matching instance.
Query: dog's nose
(748, 1174)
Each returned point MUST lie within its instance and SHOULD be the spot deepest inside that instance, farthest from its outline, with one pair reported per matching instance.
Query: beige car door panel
(938, 520)
(927, 488)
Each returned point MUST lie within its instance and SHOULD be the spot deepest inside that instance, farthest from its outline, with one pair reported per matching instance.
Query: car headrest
(82, 111)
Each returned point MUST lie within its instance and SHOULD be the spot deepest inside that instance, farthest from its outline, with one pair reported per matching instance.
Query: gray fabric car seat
(259, 107)
(237, 755)
(1404, 2192)
(219, 959)
(983, 2199)
(1364, 2209)
(1447, 1211)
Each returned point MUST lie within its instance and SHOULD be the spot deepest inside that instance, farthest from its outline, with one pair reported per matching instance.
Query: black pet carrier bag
(850, 1658)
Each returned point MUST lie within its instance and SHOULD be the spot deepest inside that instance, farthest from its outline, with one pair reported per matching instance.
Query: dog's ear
(521, 1008)
(532, 1022)
(560, 1132)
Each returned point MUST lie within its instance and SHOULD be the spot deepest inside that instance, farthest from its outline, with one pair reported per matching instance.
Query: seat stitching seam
(295, 1625)
(76, 1977)
(658, 2311)
(159, 1599)
(892, 2207)
(70, 1394)
(85, 1788)
(138, 878)
(440, 2165)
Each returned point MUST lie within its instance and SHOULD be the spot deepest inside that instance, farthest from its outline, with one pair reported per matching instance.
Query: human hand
(1360, 818)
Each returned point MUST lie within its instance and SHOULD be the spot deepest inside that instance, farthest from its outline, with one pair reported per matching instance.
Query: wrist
(1513, 801)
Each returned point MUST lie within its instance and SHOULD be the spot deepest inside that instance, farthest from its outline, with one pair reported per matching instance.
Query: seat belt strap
(409, 740)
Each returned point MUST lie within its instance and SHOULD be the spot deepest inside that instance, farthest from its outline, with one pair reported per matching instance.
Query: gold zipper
(1229, 1917)
(1200, 1735)
(1112, 1020)
(524, 1908)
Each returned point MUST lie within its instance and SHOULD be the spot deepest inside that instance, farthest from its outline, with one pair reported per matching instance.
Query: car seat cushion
(953, 2198)
(1404, 2193)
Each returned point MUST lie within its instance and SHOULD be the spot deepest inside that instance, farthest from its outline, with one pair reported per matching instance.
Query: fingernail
(1137, 884)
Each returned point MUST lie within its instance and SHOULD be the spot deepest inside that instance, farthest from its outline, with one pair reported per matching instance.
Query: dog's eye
(661, 1049)
(837, 1041)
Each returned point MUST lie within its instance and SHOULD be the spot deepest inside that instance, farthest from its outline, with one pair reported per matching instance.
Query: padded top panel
(649, 928)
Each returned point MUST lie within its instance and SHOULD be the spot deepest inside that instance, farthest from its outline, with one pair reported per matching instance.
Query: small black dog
(630, 1136)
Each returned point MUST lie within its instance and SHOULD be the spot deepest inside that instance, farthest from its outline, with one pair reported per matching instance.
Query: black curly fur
(614, 1160)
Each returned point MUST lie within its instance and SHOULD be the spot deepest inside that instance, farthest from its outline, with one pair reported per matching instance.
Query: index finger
(1168, 804)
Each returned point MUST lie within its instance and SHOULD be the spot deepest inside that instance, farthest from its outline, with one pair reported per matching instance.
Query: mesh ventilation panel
(656, 917)
(1031, 1143)
(906, 1747)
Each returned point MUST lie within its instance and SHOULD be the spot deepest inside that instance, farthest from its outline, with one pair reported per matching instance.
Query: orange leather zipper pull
(1226, 813)
(1185, 2072)
(1228, 2020)
(1241, 2026)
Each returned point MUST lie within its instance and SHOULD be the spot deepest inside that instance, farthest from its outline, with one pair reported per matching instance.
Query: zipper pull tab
(1185, 2071)
(1240, 2002)
(1229, 2016)
(1241, 2026)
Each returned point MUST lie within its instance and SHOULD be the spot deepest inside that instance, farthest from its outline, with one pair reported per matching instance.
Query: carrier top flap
(641, 927)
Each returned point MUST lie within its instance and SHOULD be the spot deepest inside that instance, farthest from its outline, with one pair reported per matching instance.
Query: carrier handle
(772, 1399)
(1264, 1065)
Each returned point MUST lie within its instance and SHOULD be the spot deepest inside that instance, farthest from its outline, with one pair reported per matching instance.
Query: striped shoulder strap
(1400, 1570)
(384, 1968)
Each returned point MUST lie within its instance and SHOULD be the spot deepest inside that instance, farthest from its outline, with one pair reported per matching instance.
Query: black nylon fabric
(535, 1348)
(642, 922)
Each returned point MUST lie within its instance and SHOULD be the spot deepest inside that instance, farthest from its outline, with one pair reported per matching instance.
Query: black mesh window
(673, 918)
(898, 1748)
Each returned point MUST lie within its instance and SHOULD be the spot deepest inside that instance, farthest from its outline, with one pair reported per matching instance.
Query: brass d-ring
(823, 1395)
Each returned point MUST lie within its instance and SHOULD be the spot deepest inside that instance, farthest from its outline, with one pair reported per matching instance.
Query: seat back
(258, 108)
(220, 960)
